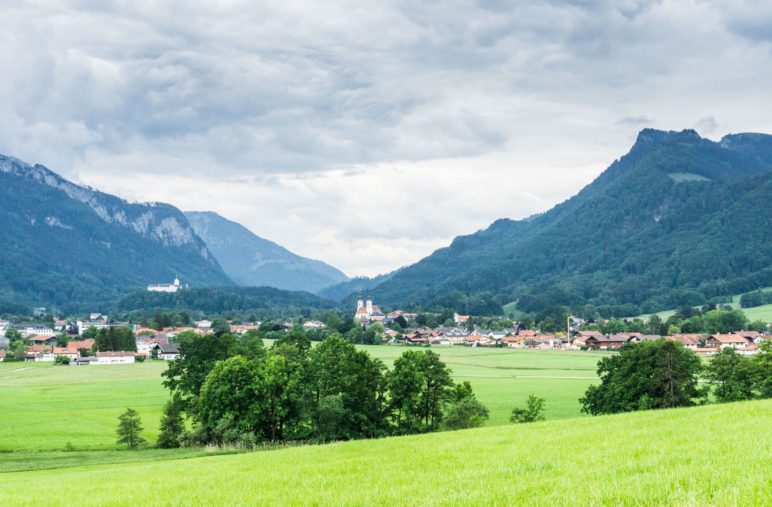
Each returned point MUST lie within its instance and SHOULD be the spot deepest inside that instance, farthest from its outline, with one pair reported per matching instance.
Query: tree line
(665, 374)
(237, 392)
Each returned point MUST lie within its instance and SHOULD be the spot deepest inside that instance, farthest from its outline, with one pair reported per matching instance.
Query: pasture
(47, 407)
(711, 455)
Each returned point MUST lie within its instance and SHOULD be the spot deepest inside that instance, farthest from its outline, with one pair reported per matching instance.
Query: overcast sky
(368, 134)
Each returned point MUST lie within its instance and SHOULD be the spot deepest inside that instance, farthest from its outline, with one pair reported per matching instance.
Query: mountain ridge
(626, 228)
(251, 260)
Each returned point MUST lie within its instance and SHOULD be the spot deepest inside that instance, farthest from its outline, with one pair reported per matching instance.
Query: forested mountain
(359, 284)
(75, 248)
(222, 300)
(678, 220)
(250, 260)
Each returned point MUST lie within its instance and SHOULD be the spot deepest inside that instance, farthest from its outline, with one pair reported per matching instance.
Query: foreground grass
(46, 407)
(713, 455)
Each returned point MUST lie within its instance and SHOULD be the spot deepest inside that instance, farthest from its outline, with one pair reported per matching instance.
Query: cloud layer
(368, 134)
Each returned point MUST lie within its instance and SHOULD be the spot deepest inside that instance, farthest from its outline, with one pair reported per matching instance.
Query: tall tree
(732, 376)
(129, 429)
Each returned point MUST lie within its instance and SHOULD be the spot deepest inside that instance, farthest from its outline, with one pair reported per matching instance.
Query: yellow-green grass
(712, 455)
(762, 313)
(47, 407)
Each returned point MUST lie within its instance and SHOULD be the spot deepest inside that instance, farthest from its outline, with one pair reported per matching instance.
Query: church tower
(360, 303)
(369, 305)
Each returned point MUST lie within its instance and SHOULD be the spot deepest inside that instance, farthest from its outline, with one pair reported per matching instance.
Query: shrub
(534, 411)
(466, 413)
(63, 360)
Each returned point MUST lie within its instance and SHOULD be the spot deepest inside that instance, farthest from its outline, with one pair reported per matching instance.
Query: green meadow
(47, 407)
(711, 455)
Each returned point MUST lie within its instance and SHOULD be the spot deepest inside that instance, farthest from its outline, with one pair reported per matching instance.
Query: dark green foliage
(63, 360)
(533, 411)
(200, 354)
(115, 338)
(58, 251)
(129, 429)
(634, 241)
(172, 426)
(221, 300)
(762, 370)
(647, 375)
(732, 376)
(295, 392)
(466, 413)
(419, 386)
(755, 298)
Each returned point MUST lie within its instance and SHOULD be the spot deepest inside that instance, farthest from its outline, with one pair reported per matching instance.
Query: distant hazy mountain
(253, 261)
(676, 221)
(73, 247)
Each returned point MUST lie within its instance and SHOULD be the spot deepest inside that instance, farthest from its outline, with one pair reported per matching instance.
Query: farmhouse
(688, 340)
(167, 351)
(726, 340)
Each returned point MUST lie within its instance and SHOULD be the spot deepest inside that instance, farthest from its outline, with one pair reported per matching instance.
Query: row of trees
(664, 374)
(235, 391)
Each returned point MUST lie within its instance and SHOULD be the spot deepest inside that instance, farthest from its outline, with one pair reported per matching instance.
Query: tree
(646, 375)
(116, 339)
(762, 369)
(732, 376)
(229, 395)
(419, 386)
(63, 360)
(18, 350)
(129, 428)
(198, 355)
(172, 426)
(465, 413)
(725, 321)
(13, 335)
(533, 411)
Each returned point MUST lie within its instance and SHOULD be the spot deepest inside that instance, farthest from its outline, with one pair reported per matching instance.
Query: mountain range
(70, 246)
(250, 260)
(678, 220)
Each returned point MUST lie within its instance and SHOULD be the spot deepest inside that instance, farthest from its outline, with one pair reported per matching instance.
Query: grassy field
(48, 407)
(712, 455)
(762, 313)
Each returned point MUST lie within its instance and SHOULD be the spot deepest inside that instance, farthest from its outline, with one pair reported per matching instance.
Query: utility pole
(568, 328)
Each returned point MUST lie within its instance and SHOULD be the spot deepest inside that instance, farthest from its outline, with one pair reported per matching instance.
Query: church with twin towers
(367, 311)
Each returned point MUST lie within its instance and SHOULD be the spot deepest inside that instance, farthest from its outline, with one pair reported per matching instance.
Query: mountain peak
(650, 136)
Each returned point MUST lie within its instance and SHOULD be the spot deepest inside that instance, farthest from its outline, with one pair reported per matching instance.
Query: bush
(466, 413)
(63, 360)
(534, 411)
(140, 358)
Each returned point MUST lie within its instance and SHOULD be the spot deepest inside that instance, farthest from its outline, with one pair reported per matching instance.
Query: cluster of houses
(744, 342)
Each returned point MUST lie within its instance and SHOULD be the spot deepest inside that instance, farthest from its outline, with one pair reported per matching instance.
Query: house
(638, 338)
(313, 324)
(543, 341)
(751, 336)
(749, 350)
(42, 340)
(706, 351)
(603, 342)
(33, 329)
(689, 340)
(167, 351)
(85, 360)
(723, 341)
(514, 341)
(114, 357)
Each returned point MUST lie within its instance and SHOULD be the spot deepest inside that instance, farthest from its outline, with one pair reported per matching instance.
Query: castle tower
(176, 282)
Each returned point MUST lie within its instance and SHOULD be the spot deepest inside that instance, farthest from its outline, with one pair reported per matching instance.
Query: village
(45, 343)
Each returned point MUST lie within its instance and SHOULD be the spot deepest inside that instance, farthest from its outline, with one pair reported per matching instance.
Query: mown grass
(46, 407)
(712, 455)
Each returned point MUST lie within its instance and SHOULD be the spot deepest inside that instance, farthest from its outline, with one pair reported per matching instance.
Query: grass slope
(45, 407)
(762, 313)
(712, 455)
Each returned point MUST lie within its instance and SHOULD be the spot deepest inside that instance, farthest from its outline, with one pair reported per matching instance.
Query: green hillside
(636, 240)
(712, 455)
